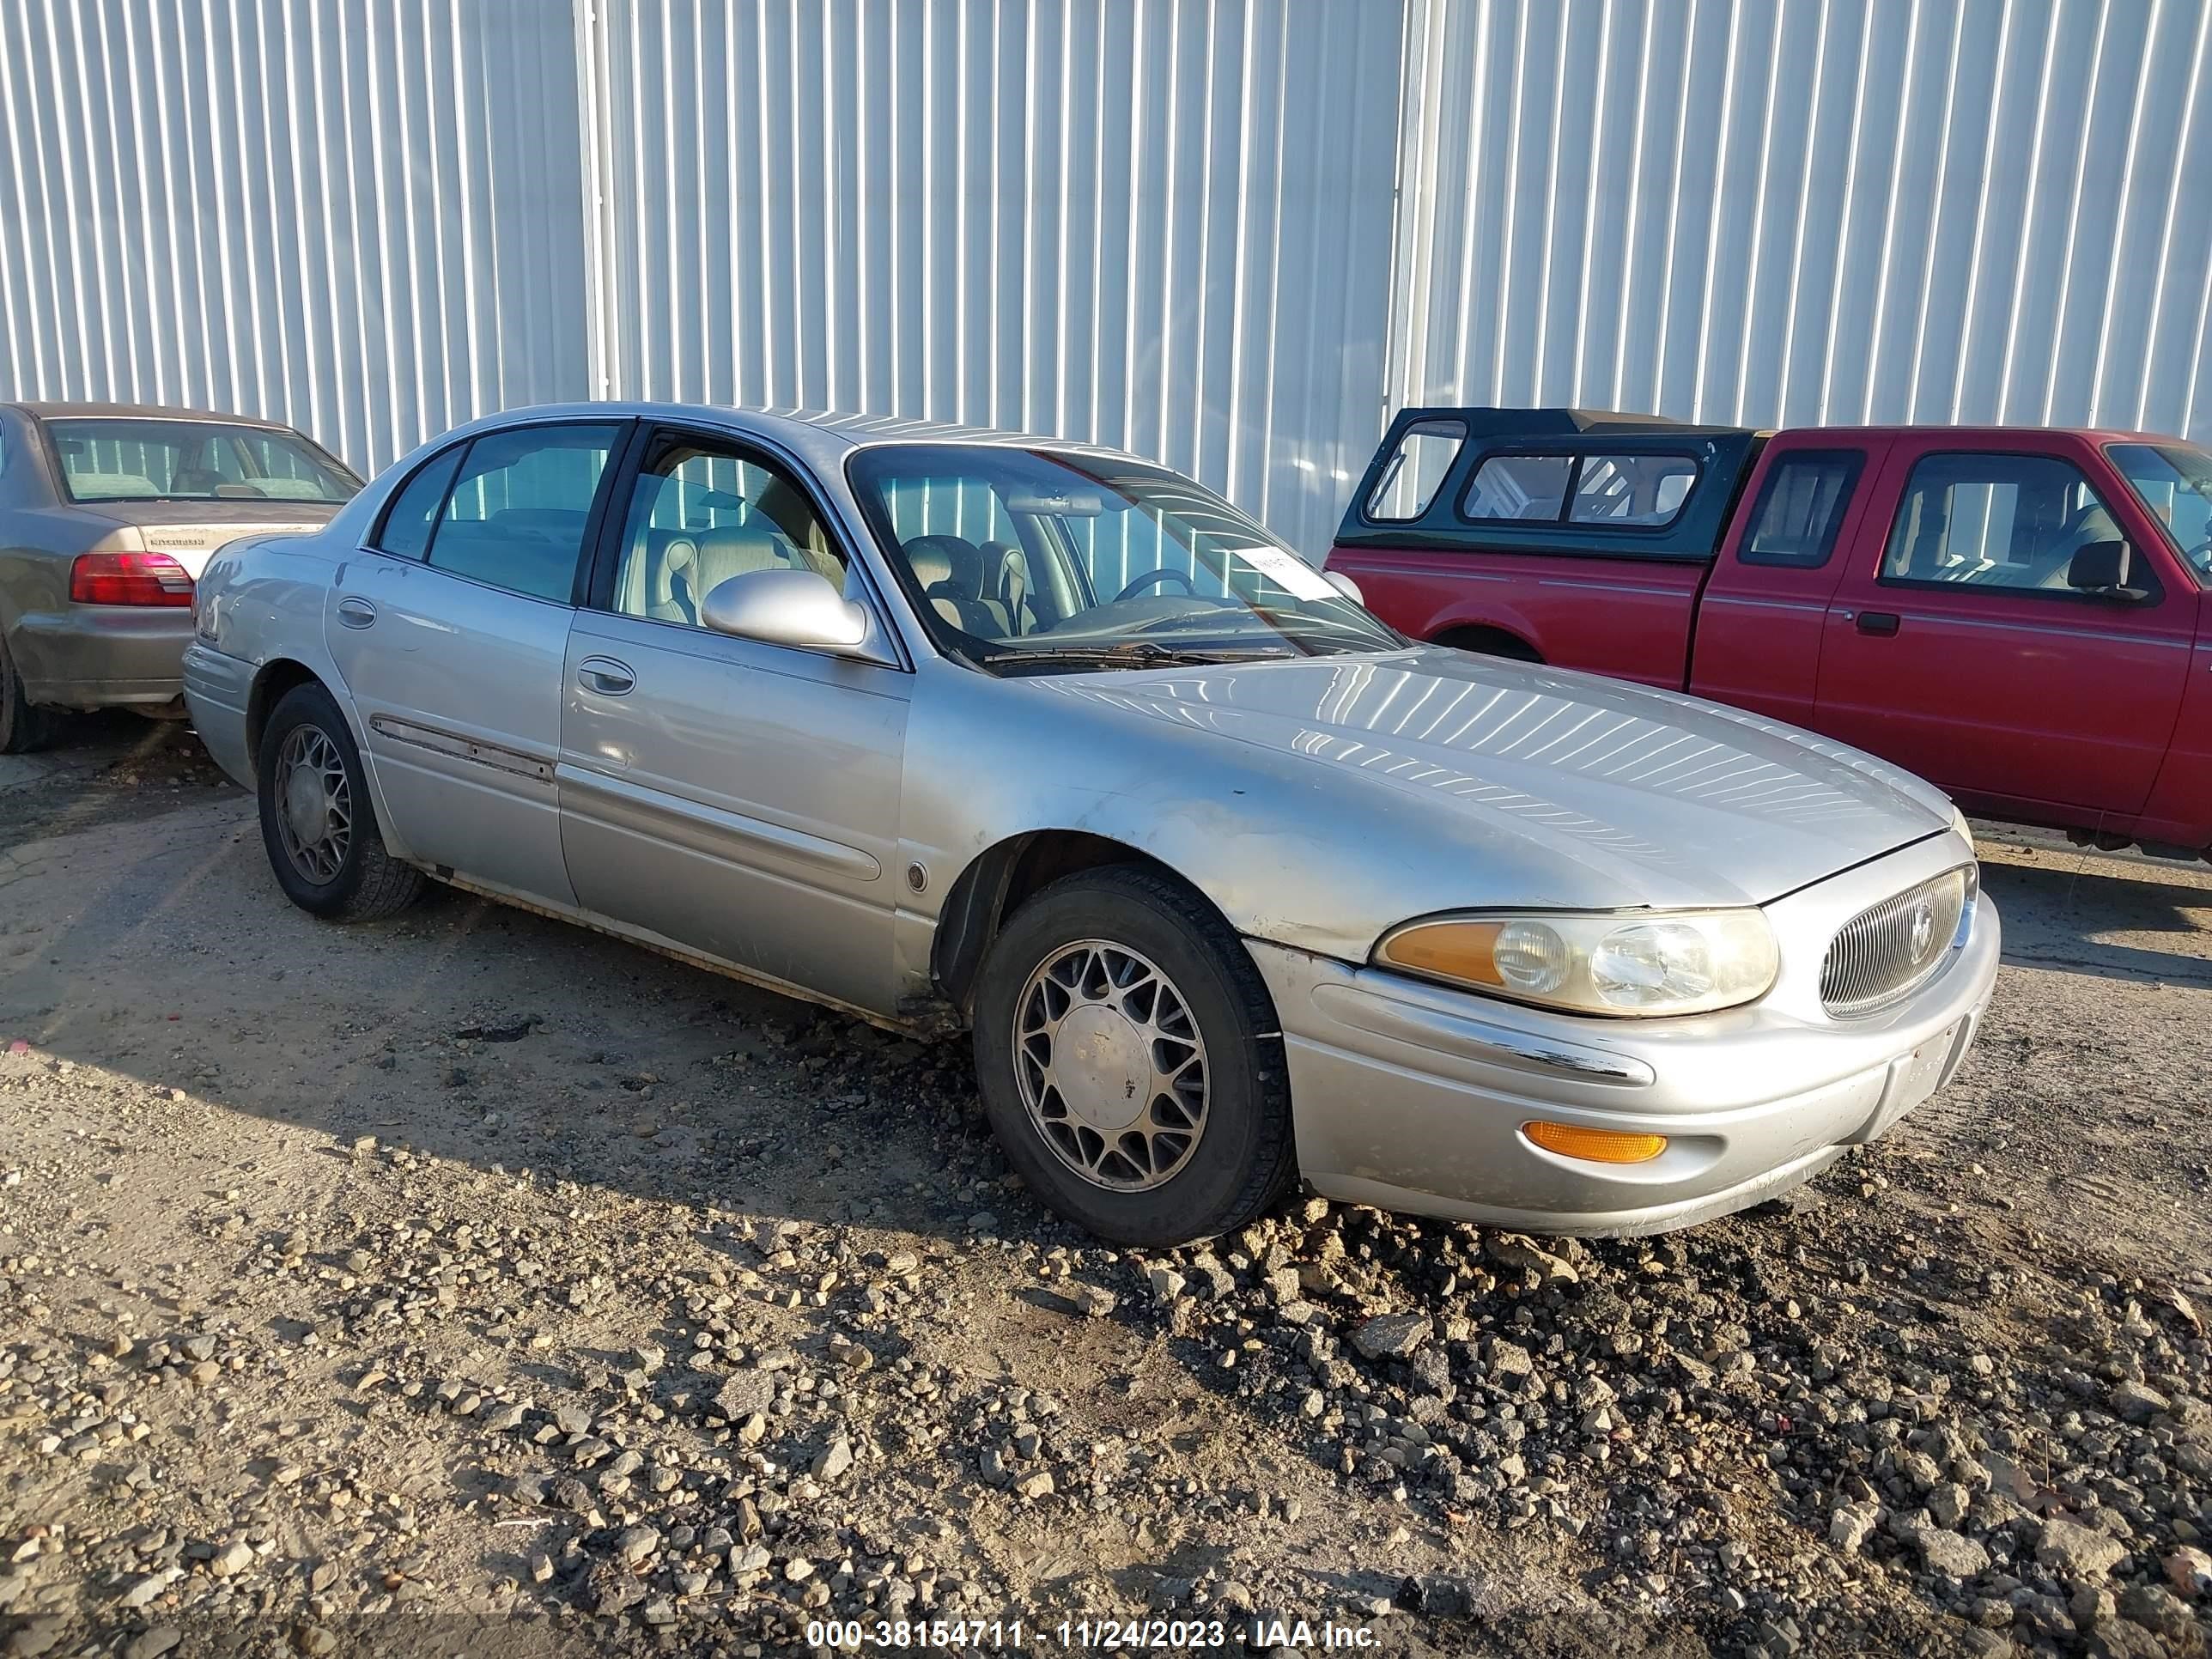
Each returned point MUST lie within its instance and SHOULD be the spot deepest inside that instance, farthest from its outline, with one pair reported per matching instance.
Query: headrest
(934, 559)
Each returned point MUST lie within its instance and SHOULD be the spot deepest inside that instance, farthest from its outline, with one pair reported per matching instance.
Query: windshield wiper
(1126, 653)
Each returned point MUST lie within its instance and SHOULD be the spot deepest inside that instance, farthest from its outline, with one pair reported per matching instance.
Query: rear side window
(1801, 509)
(1645, 491)
(516, 516)
(1416, 469)
(1522, 487)
(406, 530)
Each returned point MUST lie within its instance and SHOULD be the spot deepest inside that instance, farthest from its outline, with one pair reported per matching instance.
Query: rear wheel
(316, 819)
(24, 726)
(1121, 1054)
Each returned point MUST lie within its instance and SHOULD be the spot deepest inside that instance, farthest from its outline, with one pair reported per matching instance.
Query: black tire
(1242, 1160)
(367, 883)
(24, 726)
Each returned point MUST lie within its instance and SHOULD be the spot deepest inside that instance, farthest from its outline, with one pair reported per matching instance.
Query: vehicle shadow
(2114, 918)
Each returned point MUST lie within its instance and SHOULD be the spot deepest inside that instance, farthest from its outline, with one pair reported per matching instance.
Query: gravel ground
(471, 1283)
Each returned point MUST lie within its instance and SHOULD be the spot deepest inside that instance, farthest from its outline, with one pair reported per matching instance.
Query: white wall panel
(364, 219)
(1160, 224)
(1805, 210)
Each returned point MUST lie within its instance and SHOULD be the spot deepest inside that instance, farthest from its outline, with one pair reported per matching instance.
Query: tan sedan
(108, 513)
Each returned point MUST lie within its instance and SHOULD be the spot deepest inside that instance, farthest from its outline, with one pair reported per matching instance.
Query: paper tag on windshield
(1294, 575)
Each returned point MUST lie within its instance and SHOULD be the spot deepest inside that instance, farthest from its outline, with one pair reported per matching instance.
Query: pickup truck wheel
(1491, 642)
(1130, 1062)
(316, 819)
(23, 725)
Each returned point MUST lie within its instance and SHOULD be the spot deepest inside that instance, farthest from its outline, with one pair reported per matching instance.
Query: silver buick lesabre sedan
(108, 512)
(1232, 885)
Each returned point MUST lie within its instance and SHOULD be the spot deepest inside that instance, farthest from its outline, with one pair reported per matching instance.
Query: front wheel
(316, 819)
(1130, 1061)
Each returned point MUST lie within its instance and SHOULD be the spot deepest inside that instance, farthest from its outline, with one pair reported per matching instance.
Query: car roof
(823, 437)
(51, 411)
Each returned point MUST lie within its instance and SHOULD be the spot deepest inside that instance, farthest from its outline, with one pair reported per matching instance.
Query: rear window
(1620, 490)
(1415, 471)
(1519, 486)
(107, 458)
(1642, 491)
(1801, 509)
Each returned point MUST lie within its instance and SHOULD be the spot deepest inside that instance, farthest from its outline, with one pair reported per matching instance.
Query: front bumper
(1412, 1097)
(98, 656)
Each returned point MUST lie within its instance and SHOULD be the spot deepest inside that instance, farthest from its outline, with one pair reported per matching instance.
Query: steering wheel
(2200, 556)
(1153, 579)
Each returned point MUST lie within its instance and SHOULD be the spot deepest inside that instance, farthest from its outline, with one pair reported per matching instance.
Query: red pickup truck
(2023, 617)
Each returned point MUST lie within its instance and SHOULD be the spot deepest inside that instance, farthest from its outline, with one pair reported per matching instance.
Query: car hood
(1664, 799)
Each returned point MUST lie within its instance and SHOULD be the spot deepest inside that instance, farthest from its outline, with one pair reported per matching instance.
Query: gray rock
(743, 1392)
(1852, 1525)
(2137, 1403)
(1392, 1336)
(1944, 1551)
(2076, 1554)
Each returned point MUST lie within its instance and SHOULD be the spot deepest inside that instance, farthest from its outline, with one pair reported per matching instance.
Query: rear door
(450, 630)
(1956, 645)
(1761, 622)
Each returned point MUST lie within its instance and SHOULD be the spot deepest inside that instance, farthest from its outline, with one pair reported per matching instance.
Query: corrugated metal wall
(1806, 210)
(364, 221)
(1159, 224)
(1167, 224)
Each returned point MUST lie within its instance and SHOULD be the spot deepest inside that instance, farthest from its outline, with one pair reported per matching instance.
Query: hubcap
(1111, 1066)
(314, 804)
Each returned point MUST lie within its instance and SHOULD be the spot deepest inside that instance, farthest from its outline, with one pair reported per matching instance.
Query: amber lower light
(1451, 950)
(1594, 1145)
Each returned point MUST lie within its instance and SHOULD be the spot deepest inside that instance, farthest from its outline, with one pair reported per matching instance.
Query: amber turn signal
(1596, 1145)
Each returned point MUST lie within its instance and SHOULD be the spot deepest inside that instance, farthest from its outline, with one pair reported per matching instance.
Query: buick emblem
(1924, 931)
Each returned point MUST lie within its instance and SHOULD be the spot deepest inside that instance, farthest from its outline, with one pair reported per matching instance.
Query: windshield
(2174, 481)
(1036, 560)
(114, 458)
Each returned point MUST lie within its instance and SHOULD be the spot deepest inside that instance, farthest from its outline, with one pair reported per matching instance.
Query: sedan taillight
(129, 579)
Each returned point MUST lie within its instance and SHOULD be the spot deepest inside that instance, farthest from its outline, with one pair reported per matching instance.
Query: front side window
(1524, 487)
(1801, 509)
(1644, 491)
(2174, 482)
(701, 511)
(1024, 561)
(516, 514)
(109, 458)
(1415, 471)
(1996, 521)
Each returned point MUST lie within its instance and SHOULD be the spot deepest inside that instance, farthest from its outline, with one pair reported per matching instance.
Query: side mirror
(785, 607)
(2104, 567)
(1343, 585)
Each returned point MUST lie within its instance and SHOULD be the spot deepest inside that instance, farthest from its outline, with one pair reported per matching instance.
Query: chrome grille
(1889, 951)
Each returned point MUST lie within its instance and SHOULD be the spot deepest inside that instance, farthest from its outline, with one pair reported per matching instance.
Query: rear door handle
(355, 611)
(605, 675)
(1877, 622)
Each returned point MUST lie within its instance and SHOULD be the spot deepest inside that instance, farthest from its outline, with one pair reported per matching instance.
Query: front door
(736, 797)
(1959, 648)
(449, 631)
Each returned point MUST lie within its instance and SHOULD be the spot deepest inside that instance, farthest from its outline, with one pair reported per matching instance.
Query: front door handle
(605, 675)
(1877, 622)
(355, 611)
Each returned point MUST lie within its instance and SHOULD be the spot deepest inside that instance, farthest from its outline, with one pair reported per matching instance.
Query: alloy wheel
(314, 804)
(1111, 1066)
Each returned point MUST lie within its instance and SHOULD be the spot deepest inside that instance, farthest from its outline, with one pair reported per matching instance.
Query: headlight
(1685, 962)
(1960, 828)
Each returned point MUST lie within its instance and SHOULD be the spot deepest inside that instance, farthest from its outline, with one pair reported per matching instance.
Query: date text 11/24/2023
(1160, 1635)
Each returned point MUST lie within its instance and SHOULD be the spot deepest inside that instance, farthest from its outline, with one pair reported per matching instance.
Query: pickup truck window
(1801, 509)
(1642, 491)
(1519, 486)
(2174, 482)
(1995, 521)
(1416, 469)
